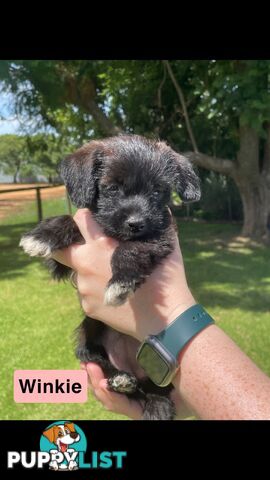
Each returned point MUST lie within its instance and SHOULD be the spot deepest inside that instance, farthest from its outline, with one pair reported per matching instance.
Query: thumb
(88, 227)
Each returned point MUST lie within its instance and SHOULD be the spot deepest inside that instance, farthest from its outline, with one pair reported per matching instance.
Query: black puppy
(126, 182)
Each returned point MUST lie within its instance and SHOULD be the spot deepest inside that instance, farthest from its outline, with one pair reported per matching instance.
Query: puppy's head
(62, 435)
(127, 181)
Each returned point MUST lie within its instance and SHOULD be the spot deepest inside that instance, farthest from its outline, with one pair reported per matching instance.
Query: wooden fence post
(39, 204)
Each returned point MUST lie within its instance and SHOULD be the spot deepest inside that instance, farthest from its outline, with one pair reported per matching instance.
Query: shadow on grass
(225, 273)
(220, 272)
(12, 258)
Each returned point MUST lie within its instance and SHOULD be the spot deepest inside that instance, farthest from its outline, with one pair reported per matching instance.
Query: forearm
(219, 382)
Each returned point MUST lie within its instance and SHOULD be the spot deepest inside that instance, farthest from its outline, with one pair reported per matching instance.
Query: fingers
(95, 374)
(88, 227)
(90, 231)
(112, 401)
(67, 256)
(118, 403)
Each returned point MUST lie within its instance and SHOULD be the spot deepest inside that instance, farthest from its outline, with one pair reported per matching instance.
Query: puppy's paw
(73, 465)
(122, 382)
(35, 247)
(117, 293)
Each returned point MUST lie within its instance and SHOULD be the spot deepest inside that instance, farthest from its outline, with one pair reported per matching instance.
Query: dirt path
(14, 201)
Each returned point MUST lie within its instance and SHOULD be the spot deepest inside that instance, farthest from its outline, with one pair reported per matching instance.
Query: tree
(216, 111)
(13, 155)
(242, 87)
(46, 151)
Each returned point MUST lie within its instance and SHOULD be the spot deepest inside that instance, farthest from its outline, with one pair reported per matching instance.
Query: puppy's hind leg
(90, 349)
(158, 407)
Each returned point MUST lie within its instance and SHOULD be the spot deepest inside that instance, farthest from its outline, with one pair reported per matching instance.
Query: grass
(37, 317)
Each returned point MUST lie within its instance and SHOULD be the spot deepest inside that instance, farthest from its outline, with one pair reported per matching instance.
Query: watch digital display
(156, 367)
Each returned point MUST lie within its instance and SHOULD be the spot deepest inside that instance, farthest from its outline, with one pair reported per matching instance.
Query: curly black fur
(126, 182)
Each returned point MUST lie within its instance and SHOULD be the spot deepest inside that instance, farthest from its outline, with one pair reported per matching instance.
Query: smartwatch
(158, 354)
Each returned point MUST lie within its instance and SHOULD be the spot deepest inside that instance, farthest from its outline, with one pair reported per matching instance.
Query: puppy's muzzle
(135, 224)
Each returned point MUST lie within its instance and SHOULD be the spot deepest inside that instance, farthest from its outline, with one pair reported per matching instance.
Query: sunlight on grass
(38, 316)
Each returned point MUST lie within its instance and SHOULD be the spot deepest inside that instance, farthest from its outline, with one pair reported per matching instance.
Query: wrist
(157, 323)
(159, 354)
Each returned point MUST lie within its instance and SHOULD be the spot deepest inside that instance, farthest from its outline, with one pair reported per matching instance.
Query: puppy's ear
(50, 434)
(80, 172)
(70, 426)
(186, 182)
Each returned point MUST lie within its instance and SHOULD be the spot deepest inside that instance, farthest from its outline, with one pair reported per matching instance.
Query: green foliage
(13, 154)
(138, 96)
(220, 199)
(46, 151)
(26, 156)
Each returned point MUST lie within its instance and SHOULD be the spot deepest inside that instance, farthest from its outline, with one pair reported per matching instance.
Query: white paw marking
(123, 383)
(117, 293)
(35, 248)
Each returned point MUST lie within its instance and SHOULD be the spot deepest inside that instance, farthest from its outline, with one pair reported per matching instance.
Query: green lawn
(38, 316)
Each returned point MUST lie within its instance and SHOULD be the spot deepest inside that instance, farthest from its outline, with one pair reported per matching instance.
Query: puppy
(126, 182)
(62, 436)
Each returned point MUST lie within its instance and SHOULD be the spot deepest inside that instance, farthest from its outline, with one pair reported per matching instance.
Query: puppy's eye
(113, 188)
(67, 431)
(60, 434)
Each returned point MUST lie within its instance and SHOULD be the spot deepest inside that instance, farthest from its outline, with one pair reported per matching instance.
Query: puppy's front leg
(49, 235)
(132, 262)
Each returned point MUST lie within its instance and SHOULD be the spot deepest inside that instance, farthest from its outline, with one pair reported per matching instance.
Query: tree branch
(161, 86)
(83, 93)
(220, 165)
(183, 104)
(104, 123)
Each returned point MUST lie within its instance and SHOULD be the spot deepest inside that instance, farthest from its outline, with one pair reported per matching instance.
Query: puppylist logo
(63, 448)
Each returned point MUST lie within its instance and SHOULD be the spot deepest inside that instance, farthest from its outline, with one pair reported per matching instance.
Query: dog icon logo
(63, 440)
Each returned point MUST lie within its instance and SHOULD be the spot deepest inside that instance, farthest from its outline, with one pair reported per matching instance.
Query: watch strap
(184, 328)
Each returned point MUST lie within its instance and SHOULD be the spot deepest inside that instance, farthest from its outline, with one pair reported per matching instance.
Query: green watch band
(184, 328)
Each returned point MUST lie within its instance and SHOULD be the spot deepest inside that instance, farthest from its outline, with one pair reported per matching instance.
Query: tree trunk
(253, 184)
(251, 178)
(15, 176)
(104, 123)
(256, 208)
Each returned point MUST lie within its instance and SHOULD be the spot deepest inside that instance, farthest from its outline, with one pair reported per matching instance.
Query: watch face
(154, 365)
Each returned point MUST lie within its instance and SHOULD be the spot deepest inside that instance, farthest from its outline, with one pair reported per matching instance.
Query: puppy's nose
(135, 224)
(73, 434)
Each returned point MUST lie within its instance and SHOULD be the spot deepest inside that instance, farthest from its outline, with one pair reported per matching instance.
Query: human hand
(122, 404)
(155, 304)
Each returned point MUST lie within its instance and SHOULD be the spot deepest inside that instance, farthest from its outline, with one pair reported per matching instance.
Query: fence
(38, 196)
